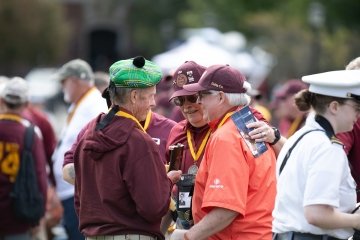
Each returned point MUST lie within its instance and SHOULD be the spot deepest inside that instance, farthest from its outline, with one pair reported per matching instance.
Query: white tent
(195, 49)
(209, 46)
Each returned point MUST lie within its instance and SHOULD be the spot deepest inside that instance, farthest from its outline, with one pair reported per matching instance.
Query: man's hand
(174, 176)
(262, 132)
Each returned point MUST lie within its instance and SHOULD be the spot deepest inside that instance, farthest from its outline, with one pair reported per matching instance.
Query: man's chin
(141, 118)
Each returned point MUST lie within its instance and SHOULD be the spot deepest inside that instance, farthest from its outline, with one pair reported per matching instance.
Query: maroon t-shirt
(11, 146)
(178, 135)
(351, 141)
(121, 185)
(38, 118)
(159, 130)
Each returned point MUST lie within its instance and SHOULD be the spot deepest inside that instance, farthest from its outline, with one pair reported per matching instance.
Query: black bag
(28, 202)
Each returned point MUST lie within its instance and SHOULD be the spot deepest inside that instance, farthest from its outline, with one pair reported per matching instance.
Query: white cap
(3, 80)
(15, 91)
(342, 84)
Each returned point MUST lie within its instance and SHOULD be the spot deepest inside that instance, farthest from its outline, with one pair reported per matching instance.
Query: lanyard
(147, 120)
(225, 118)
(12, 117)
(72, 112)
(129, 116)
(204, 141)
(202, 145)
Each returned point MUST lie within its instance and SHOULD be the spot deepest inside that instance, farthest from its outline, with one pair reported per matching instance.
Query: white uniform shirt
(88, 108)
(317, 172)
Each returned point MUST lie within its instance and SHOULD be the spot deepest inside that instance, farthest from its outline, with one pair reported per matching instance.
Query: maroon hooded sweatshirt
(121, 184)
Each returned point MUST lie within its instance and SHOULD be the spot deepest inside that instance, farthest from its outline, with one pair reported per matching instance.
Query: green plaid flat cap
(135, 73)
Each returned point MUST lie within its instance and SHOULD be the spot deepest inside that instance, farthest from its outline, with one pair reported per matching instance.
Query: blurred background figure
(14, 97)
(77, 80)
(54, 210)
(163, 93)
(37, 117)
(257, 103)
(287, 116)
(101, 80)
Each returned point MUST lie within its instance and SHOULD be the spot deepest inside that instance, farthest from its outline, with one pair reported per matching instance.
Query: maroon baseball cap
(219, 78)
(291, 87)
(189, 72)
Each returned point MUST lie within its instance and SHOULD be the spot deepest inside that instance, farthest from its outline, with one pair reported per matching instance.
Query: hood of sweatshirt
(114, 135)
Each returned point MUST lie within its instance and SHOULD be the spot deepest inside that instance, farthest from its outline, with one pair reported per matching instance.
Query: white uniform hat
(343, 83)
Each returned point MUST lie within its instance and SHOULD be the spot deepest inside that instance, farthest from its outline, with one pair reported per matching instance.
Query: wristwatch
(277, 135)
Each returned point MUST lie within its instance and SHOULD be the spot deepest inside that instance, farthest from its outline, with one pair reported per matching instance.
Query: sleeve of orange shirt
(228, 172)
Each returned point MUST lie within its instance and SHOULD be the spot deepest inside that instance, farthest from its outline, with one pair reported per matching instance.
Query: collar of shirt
(216, 123)
(325, 124)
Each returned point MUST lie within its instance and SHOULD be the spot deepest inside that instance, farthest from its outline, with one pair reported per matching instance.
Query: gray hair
(240, 99)
(354, 64)
(119, 95)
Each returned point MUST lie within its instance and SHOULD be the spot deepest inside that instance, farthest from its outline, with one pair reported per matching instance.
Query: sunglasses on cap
(179, 101)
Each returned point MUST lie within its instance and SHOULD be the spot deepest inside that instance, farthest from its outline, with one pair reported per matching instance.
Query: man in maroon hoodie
(121, 186)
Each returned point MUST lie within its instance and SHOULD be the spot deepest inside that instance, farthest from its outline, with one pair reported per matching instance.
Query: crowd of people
(107, 176)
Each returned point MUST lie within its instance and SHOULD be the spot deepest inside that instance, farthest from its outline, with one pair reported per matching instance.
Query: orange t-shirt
(230, 177)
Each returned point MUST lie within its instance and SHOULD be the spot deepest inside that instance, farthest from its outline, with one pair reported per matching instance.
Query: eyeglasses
(179, 101)
(202, 94)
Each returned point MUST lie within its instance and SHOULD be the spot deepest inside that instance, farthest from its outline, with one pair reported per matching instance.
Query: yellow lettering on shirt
(9, 159)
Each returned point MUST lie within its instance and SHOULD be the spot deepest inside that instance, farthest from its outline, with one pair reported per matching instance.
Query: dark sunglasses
(179, 101)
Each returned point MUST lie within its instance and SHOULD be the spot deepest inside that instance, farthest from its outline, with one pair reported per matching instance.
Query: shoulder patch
(336, 140)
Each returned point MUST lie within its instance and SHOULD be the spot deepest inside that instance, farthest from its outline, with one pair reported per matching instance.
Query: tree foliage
(283, 28)
(33, 33)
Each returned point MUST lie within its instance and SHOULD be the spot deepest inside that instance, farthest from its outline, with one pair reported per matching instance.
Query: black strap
(107, 119)
(28, 139)
(292, 147)
(191, 193)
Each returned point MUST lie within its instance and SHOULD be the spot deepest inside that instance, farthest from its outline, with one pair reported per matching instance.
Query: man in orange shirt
(234, 190)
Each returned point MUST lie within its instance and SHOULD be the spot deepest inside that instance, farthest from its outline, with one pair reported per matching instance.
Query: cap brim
(181, 92)
(194, 87)
(58, 76)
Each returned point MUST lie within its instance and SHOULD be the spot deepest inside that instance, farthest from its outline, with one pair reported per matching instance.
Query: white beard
(67, 97)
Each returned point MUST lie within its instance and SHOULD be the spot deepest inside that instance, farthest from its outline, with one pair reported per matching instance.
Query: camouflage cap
(76, 68)
(135, 73)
